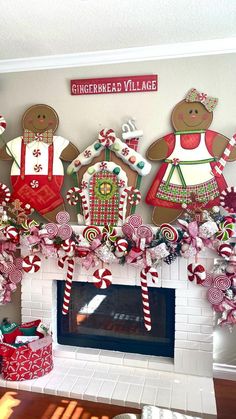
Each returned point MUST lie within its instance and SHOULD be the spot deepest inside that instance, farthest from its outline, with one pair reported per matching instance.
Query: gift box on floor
(28, 361)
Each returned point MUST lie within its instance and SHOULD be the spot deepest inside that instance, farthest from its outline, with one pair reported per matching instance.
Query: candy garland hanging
(135, 243)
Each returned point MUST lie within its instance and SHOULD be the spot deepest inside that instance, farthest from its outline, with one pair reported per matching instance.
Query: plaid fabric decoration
(103, 211)
(46, 136)
(177, 193)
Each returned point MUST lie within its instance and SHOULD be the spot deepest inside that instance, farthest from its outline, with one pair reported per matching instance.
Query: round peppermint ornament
(196, 272)
(228, 199)
(31, 264)
(225, 250)
(225, 231)
(90, 233)
(102, 278)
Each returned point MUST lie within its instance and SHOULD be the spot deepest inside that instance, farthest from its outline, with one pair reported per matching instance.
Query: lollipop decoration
(109, 233)
(215, 295)
(90, 233)
(169, 232)
(228, 199)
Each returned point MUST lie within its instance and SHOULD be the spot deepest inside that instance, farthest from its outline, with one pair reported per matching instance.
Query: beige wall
(81, 117)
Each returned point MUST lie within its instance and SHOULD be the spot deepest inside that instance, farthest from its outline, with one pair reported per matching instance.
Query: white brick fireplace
(183, 383)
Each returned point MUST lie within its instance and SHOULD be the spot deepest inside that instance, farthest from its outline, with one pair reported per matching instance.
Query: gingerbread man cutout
(37, 171)
(190, 154)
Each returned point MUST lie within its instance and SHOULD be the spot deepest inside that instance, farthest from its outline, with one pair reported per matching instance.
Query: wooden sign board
(108, 85)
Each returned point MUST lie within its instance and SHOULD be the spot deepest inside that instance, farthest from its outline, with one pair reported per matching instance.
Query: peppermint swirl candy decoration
(15, 276)
(225, 250)
(18, 263)
(121, 245)
(8, 267)
(63, 217)
(31, 264)
(196, 272)
(102, 278)
(226, 230)
(145, 232)
(222, 282)
(91, 232)
(11, 233)
(52, 230)
(128, 230)
(65, 231)
(106, 137)
(208, 281)
(215, 295)
(135, 220)
(109, 233)
(169, 232)
(3, 125)
(134, 197)
(5, 194)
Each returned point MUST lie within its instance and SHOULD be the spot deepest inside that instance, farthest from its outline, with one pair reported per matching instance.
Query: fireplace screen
(113, 319)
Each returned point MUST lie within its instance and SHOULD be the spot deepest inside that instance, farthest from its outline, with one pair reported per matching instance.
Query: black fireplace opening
(112, 319)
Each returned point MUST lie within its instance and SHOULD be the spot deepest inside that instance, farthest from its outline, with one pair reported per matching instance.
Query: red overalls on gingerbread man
(190, 155)
(37, 171)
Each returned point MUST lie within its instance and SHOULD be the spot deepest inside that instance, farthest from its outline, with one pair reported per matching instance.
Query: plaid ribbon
(46, 136)
(209, 102)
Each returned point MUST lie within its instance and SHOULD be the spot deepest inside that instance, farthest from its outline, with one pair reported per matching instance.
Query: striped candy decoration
(5, 193)
(102, 278)
(107, 137)
(68, 284)
(196, 272)
(134, 197)
(3, 124)
(219, 167)
(145, 299)
(72, 198)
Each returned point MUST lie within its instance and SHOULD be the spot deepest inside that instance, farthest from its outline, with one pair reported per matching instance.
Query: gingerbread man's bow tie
(209, 102)
(46, 136)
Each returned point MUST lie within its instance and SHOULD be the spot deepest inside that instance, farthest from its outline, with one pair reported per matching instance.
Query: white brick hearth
(183, 383)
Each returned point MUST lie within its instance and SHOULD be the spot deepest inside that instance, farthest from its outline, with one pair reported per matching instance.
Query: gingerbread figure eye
(196, 111)
(38, 116)
(44, 116)
(191, 111)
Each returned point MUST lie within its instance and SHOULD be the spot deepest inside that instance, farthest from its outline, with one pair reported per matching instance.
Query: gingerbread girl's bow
(209, 102)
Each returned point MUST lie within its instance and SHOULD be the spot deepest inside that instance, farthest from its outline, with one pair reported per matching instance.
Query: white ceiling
(34, 28)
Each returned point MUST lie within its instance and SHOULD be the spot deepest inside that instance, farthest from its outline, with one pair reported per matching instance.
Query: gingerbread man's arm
(158, 150)
(218, 146)
(4, 155)
(69, 153)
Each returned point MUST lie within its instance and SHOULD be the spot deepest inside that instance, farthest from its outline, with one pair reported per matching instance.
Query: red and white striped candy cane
(219, 167)
(2, 124)
(130, 191)
(68, 284)
(145, 299)
(72, 199)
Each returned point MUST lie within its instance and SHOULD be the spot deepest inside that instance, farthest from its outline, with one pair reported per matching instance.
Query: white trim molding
(148, 53)
(224, 371)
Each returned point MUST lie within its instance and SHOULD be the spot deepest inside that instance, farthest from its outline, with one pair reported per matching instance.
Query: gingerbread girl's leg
(165, 215)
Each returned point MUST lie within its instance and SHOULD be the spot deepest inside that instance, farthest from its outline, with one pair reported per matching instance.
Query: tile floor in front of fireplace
(124, 385)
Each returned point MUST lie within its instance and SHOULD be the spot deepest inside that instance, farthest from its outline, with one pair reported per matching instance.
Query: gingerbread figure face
(190, 116)
(40, 118)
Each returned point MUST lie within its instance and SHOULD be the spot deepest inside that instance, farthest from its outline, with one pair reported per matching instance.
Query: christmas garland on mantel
(137, 245)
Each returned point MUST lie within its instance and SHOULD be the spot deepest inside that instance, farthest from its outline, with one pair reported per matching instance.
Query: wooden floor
(15, 404)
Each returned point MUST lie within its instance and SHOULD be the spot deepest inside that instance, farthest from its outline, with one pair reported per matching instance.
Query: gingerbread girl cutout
(37, 171)
(190, 155)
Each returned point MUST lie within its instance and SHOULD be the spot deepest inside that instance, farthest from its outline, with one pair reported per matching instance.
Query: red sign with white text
(108, 85)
